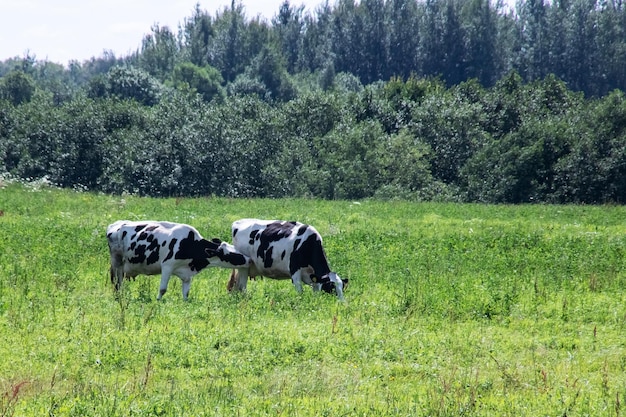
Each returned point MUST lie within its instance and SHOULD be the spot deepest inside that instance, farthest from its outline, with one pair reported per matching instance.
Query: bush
(206, 81)
(127, 83)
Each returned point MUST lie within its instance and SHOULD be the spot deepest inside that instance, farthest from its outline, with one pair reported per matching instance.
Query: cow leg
(186, 286)
(296, 278)
(114, 279)
(165, 279)
(116, 271)
(117, 277)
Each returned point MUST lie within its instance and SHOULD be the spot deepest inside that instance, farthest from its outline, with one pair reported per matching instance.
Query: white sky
(64, 30)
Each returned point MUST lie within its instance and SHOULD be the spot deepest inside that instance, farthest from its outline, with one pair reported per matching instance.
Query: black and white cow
(152, 248)
(281, 250)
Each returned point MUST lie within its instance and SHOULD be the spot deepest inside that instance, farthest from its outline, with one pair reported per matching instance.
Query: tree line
(443, 99)
(582, 42)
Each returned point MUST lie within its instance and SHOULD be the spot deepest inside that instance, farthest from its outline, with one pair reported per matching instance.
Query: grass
(452, 309)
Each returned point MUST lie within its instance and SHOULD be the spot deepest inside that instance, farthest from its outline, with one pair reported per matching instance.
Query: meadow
(452, 309)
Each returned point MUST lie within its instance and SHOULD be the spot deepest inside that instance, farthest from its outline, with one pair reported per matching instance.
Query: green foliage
(405, 171)
(206, 81)
(126, 83)
(197, 33)
(246, 86)
(268, 68)
(346, 83)
(17, 87)
(312, 115)
(452, 309)
(289, 26)
(581, 42)
(444, 100)
(349, 162)
(414, 89)
(594, 169)
(451, 125)
(413, 139)
(159, 52)
(229, 50)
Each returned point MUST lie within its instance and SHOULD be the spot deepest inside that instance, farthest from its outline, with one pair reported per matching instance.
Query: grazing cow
(281, 250)
(150, 248)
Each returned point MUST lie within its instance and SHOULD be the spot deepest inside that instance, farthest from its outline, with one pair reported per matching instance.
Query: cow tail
(232, 281)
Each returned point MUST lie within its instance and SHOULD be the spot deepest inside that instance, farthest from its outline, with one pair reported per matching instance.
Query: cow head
(328, 283)
(224, 254)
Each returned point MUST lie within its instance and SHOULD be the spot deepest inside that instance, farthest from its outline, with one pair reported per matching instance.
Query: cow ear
(210, 252)
(211, 244)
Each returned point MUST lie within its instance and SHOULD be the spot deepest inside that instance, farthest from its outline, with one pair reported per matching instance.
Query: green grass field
(451, 310)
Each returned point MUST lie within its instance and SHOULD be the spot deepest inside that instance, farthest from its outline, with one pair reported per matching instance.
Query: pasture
(473, 310)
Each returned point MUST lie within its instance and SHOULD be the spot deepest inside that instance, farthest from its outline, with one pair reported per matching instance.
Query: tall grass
(451, 310)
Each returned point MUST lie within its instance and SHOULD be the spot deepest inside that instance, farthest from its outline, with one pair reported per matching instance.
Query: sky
(64, 30)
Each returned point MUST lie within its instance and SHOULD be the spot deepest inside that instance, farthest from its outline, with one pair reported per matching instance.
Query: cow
(282, 250)
(155, 247)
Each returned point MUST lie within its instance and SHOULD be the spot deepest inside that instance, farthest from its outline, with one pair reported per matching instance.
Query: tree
(159, 52)
(311, 115)
(579, 32)
(442, 42)
(17, 87)
(370, 15)
(317, 51)
(609, 48)
(557, 22)
(206, 81)
(54, 78)
(268, 68)
(9, 155)
(520, 164)
(198, 36)
(228, 49)
(82, 73)
(451, 124)
(533, 34)
(594, 171)
(402, 22)
(349, 165)
(246, 86)
(345, 39)
(406, 168)
(502, 105)
(479, 28)
(288, 26)
(453, 42)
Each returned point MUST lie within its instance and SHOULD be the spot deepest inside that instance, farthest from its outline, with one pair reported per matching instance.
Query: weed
(147, 371)
(122, 297)
(9, 399)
